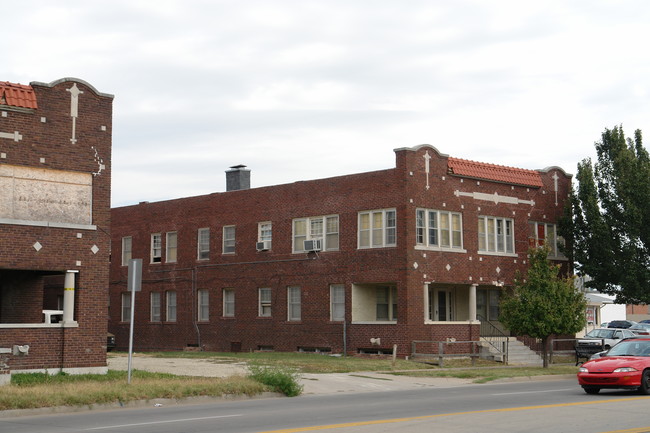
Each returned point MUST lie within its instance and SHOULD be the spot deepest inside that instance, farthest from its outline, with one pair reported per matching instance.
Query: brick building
(55, 152)
(354, 263)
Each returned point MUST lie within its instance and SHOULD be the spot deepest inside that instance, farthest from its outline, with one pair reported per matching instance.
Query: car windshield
(631, 348)
(601, 333)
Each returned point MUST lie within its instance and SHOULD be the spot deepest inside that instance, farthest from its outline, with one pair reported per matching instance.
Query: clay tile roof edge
(494, 172)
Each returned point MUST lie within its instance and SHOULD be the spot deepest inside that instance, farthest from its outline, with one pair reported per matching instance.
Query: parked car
(645, 321)
(624, 366)
(640, 328)
(621, 324)
(600, 339)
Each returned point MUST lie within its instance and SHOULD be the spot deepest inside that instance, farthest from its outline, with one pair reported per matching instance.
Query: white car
(601, 339)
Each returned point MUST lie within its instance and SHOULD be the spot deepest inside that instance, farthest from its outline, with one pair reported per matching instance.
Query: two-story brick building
(55, 153)
(354, 263)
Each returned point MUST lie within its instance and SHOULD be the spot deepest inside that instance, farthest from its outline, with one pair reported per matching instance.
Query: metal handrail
(494, 336)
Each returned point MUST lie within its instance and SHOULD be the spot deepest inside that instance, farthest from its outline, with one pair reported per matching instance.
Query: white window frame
(377, 229)
(337, 302)
(294, 307)
(126, 307)
(228, 302)
(170, 306)
(493, 236)
(171, 247)
(229, 239)
(127, 250)
(264, 231)
(439, 230)
(203, 307)
(203, 244)
(154, 307)
(551, 238)
(264, 302)
(156, 248)
(324, 227)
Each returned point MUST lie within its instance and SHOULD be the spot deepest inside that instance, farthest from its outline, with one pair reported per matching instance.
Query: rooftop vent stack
(238, 177)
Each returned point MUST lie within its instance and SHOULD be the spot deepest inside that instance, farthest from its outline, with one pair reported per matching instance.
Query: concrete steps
(518, 353)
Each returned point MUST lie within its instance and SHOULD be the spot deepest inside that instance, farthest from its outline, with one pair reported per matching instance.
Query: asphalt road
(534, 406)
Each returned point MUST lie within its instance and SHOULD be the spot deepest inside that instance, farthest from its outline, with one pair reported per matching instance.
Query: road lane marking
(162, 422)
(534, 392)
(423, 417)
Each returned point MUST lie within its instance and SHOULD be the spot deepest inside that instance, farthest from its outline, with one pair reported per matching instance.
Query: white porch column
(68, 297)
(425, 304)
(472, 302)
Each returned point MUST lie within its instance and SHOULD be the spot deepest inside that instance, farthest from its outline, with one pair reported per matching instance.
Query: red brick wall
(48, 145)
(248, 270)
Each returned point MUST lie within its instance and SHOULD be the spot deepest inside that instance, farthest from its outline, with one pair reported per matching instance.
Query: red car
(626, 365)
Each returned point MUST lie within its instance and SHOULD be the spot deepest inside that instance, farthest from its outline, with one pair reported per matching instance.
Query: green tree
(611, 218)
(543, 303)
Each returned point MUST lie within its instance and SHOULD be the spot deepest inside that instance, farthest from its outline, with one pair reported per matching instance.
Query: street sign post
(134, 284)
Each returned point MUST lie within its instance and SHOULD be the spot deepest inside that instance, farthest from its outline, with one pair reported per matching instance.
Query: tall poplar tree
(543, 303)
(611, 218)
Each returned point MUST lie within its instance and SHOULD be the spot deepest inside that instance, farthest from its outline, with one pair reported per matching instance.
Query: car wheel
(591, 389)
(645, 383)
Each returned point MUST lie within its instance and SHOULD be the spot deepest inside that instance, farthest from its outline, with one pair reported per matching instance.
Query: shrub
(280, 379)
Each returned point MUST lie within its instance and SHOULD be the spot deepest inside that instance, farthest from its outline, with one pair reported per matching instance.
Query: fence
(445, 349)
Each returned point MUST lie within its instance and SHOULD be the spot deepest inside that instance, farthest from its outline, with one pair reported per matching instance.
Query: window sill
(376, 322)
(451, 322)
(491, 253)
(441, 249)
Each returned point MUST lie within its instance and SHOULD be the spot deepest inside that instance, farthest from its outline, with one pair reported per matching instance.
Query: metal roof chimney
(238, 177)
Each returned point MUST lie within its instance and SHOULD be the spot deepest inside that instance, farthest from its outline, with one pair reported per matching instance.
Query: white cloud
(307, 89)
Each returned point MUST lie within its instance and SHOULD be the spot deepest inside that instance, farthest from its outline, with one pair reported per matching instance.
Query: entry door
(443, 306)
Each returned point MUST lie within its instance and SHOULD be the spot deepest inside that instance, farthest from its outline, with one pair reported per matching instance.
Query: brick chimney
(238, 177)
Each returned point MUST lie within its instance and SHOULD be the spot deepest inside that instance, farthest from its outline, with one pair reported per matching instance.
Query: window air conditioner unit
(263, 246)
(314, 245)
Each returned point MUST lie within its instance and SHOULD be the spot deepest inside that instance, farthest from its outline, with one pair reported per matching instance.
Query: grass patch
(483, 375)
(299, 362)
(28, 391)
(280, 379)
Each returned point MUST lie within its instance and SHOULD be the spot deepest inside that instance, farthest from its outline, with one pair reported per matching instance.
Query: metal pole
(131, 336)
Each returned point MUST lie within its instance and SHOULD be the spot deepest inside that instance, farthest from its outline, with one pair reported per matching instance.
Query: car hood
(611, 363)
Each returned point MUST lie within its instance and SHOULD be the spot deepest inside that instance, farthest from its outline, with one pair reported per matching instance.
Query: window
(229, 239)
(171, 306)
(203, 244)
(293, 301)
(171, 247)
(204, 305)
(154, 314)
(127, 243)
(264, 231)
(438, 229)
(377, 229)
(495, 235)
(265, 302)
(228, 302)
(337, 302)
(325, 228)
(386, 303)
(126, 307)
(487, 304)
(545, 234)
(156, 248)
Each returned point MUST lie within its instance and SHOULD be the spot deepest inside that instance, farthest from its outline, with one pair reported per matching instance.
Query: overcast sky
(303, 89)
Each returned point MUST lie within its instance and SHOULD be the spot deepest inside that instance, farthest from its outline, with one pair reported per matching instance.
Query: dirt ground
(312, 383)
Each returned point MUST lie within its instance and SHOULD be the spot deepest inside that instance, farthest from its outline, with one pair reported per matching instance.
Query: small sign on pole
(134, 284)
